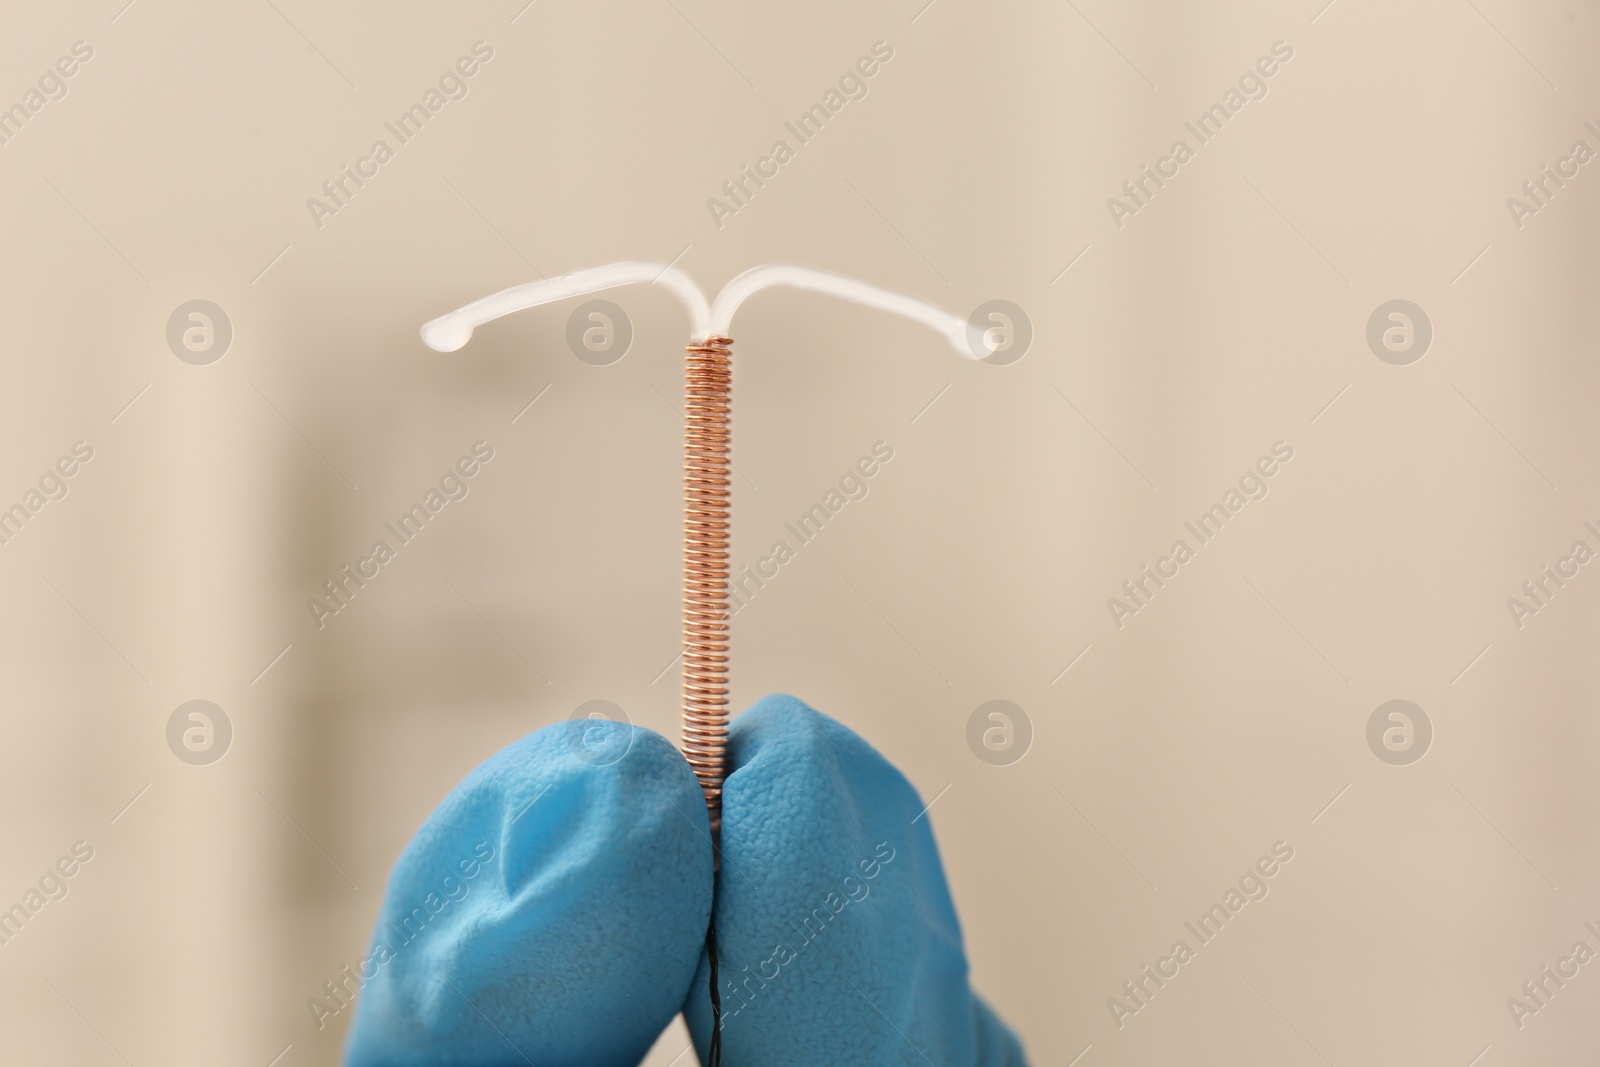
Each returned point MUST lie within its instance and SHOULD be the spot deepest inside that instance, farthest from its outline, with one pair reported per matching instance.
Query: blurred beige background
(1228, 313)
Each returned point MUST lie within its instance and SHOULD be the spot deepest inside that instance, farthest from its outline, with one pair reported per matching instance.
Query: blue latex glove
(578, 938)
(563, 934)
(837, 941)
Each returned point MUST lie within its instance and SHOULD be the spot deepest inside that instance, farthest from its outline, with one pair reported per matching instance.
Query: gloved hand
(837, 941)
(578, 938)
(550, 911)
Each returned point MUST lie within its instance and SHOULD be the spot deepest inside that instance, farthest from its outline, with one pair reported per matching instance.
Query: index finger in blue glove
(837, 938)
(550, 911)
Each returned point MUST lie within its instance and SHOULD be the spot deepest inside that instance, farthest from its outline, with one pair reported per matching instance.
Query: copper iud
(707, 491)
(707, 453)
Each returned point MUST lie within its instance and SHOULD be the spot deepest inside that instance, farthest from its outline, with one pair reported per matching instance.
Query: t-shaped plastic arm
(449, 332)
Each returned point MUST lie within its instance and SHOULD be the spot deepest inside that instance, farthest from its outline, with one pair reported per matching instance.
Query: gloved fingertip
(838, 940)
(551, 908)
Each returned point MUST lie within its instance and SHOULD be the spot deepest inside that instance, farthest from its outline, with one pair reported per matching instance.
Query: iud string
(707, 487)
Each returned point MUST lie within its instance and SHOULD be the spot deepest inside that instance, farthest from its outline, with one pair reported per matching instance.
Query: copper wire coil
(706, 495)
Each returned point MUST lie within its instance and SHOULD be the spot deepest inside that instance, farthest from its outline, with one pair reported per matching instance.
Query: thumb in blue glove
(551, 910)
(837, 939)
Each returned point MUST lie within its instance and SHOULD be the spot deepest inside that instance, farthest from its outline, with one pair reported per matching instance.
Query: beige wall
(1222, 317)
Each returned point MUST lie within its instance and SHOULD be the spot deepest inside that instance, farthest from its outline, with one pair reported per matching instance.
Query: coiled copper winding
(707, 489)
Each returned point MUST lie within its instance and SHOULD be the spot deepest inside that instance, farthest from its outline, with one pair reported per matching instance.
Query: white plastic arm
(449, 332)
(968, 340)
